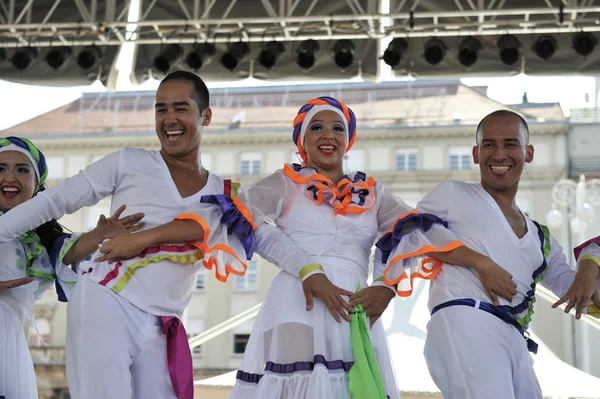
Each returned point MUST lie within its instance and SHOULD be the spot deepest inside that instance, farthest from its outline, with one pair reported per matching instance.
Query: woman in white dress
(301, 346)
(30, 263)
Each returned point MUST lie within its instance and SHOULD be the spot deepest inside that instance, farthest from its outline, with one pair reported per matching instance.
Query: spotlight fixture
(88, 57)
(169, 56)
(235, 55)
(394, 52)
(306, 53)
(24, 58)
(584, 43)
(435, 51)
(270, 53)
(200, 55)
(343, 53)
(509, 48)
(545, 47)
(57, 56)
(468, 50)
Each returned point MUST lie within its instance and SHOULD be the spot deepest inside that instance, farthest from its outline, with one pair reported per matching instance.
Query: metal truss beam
(473, 20)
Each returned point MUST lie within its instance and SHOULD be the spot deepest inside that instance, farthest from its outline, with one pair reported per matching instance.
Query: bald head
(503, 114)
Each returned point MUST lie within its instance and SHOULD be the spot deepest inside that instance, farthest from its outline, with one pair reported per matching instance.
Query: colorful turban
(314, 106)
(26, 147)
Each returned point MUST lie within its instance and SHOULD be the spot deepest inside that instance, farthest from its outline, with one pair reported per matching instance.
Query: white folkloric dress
(305, 221)
(23, 257)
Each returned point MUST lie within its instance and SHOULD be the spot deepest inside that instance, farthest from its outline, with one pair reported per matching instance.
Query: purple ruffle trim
(577, 251)
(388, 243)
(294, 367)
(237, 224)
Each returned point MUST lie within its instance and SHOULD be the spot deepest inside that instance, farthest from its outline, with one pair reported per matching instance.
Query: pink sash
(179, 357)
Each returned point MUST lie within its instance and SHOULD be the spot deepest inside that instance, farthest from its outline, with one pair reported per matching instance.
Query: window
(239, 343)
(207, 161)
(43, 327)
(406, 160)
(249, 281)
(250, 163)
(56, 168)
(201, 280)
(356, 161)
(193, 328)
(459, 158)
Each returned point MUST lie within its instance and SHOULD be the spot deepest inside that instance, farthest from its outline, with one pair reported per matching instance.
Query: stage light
(168, 57)
(57, 56)
(306, 53)
(509, 48)
(88, 57)
(270, 53)
(235, 55)
(468, 50)
(435, 51)
(200, 55)
(343, 53)
(24, 58)
(394, 52)
(584, 43)
(545, 47)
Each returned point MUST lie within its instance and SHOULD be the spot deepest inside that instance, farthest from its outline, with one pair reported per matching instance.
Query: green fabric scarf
(364, 378)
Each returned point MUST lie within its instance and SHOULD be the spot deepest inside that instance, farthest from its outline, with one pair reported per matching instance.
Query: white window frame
(463, 153)
(56, 168)
(241, 282)
(255, 163)
(207, 160)
(201, 276)
(195, 327)
(406, 152)
(356, 161)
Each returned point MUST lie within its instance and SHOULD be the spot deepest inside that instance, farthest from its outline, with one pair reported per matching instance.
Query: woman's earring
(346, 157)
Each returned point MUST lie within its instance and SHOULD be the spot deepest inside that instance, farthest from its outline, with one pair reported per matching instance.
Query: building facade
(411, 136)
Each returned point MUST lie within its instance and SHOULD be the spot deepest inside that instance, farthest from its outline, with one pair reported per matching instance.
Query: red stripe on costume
(227, 187)
(112, 274)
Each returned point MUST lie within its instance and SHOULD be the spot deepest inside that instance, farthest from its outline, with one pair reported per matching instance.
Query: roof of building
(258, 108)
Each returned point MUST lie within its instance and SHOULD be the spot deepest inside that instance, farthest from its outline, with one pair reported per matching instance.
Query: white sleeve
(414, 234)
(559, 275)
(86, 188)
(266, 199)
(439, 200)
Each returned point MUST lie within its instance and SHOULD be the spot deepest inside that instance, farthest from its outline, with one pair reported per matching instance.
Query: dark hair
(502, 113)
(199, 94)
(49, 232)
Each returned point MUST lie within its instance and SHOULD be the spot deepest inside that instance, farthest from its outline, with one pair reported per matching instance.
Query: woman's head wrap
(310, 109)
(24, 146)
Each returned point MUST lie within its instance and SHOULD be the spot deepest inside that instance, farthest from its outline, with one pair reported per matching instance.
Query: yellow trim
(310, 268)
(593, 311)
(189, 258)
(592, 258)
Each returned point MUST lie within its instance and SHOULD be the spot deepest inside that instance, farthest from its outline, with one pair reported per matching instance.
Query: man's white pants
(114, 350)
(17, 378)
(472, 354)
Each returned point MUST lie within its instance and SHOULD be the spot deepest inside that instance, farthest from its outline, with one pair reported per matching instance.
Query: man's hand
(583, 290)
(496, 281)
(318, 285)
(122, 247)
(374, 301)
(114, 226)
(6, 285)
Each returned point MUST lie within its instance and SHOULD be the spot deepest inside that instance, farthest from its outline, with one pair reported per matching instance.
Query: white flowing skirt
(295, 354)
(17, 377)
